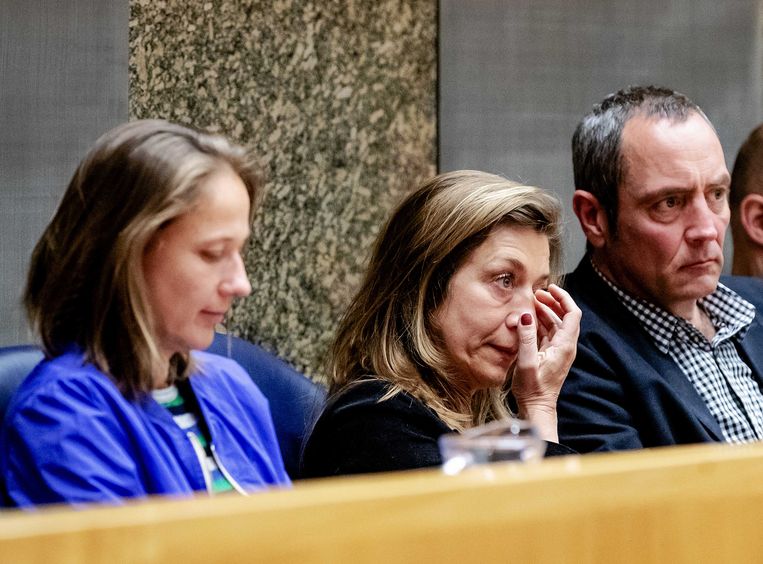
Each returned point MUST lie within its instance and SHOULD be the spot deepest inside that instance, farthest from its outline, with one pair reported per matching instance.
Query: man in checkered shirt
(667, 354)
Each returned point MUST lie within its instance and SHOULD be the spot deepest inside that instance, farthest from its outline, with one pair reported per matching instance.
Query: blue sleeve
(239, 418)
(261, 443)
(64, 443)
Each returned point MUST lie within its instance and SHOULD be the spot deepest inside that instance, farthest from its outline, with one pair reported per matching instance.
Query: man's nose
(704, 223)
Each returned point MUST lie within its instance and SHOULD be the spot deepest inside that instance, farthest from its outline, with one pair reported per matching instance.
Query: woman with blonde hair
(457, 323)
(140, 262)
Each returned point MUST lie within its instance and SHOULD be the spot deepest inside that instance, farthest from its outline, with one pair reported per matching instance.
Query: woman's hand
(547, 347)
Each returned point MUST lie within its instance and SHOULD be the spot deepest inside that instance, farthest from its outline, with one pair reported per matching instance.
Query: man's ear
(592, 217)
(751, 217)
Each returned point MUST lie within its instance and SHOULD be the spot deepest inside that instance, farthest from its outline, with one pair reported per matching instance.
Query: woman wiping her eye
(455, 321)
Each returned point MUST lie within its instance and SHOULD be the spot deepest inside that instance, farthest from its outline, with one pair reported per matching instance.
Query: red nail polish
(526, 319)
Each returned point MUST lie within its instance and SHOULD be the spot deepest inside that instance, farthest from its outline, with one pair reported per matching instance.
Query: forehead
(661, 150)
(221, 209)
(518, 245)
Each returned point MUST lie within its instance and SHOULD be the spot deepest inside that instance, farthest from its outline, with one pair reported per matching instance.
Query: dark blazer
(622, 392)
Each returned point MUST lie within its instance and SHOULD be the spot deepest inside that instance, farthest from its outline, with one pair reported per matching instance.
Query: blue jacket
(622, 392)
(70, 436)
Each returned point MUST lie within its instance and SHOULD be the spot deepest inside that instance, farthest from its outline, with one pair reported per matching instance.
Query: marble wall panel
(337, 100)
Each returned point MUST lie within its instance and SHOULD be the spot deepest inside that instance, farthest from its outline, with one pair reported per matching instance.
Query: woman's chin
(489, 380)
(201, 340)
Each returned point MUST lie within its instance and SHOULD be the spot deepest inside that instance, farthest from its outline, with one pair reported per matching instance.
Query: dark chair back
(16, 363)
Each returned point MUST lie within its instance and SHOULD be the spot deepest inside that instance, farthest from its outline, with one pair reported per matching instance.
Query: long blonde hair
(85, 285)
(388, 331)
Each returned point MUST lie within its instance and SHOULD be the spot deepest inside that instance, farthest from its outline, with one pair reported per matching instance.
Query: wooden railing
(684, 504)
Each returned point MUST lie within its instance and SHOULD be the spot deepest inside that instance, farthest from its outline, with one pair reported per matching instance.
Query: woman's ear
(751, 217)
(592, 218)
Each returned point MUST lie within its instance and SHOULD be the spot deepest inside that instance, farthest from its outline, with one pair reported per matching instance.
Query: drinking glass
(498, 441)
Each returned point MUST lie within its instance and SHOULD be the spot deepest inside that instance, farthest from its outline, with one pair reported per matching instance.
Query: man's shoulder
(748, 287)
(606, 324)
(589, 291)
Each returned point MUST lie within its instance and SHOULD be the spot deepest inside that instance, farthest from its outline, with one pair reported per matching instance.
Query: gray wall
(517, 76)
(63, 82)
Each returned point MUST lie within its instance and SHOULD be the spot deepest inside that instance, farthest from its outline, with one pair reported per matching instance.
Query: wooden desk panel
(684, 504)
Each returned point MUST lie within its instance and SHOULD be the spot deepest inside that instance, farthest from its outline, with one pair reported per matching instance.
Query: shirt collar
(730, 314)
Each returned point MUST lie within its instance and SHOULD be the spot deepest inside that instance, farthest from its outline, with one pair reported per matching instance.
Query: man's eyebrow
(721, 180)
(669, 190)
(664, 191)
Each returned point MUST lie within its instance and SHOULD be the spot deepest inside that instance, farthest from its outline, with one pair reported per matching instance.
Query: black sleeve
(556, 449)
(360, 434)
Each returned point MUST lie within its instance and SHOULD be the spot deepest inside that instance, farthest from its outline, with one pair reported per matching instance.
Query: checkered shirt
(714, 367)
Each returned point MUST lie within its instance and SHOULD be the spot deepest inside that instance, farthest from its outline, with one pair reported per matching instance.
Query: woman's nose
(237, 283)
(523, 302)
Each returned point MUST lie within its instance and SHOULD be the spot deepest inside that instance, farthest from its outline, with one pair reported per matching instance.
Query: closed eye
(212, 255)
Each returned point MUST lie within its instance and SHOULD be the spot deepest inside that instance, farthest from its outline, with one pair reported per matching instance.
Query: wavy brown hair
(85, 285)
(389, 332)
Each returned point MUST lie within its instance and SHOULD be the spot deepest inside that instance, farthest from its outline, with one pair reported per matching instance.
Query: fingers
(546, 298)
(533, 384)
(527, 356)
(558, 316)
(549, 312)
(560, 303)
(564, 299)
(572, 315)
(548, 319)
